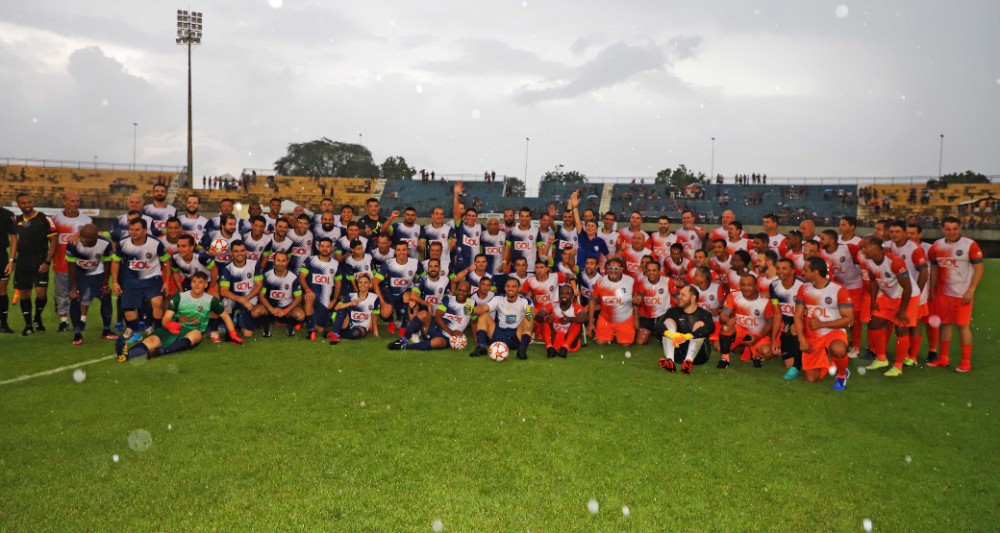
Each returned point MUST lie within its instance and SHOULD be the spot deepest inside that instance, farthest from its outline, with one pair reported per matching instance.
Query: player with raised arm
(823, 311)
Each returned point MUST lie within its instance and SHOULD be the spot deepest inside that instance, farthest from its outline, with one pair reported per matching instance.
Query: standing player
(507, 318)
(524, 239)
(324, 226)
(916, 234)
(159, 210)
(88, 279)
(68, 222)
(320, 278)
(652, 295)
(408, 231)
(239, 284)
(171, 234)
(587, 279)
(632, 255)
(847, 273)
(191, 310)
(687, 326)
(748, 326)
(226, 207)
(273, 214)
(823, 311)
(373, 223)
(119, 228)
(737, 240)
(617, 318)
(783, 292)
(191, 221)
(691, 236)
(302, 242)
(437, 231)
(282, 296)
(188, 260)
(721, 233)
(496, 247)
(634, 226)
(956, 270)
(258, 242)
(468, 237)
(610, 236)
(143, 278)
(916, 265)
(562, 324)
(661, 241)
(892, 304)
(775, 240)
(435, 251)
(227, 232)
(36, 247)
(720, 261)
(8, 237)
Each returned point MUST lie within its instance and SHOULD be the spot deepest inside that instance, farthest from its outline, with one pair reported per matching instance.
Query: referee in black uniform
(8, 237)
(36, 244)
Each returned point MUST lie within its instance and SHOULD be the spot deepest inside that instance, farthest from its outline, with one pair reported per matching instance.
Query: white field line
(56, 370)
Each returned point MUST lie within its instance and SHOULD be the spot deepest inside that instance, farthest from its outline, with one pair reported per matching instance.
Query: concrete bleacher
(748, 202)
(303, 190)
(98, 188)
(426, 195)
(973, 203)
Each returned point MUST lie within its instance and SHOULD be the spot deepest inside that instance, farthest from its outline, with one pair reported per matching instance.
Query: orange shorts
(923, 311)
(715, 334)
(764, 340)
(568, 339)
(951, 310)
(862, 305)
(889, 307)
(817, 356)
(623, 331)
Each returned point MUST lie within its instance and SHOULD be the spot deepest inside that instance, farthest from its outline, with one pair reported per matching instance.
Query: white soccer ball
(218, 245)
(498, 351)
(458, 342)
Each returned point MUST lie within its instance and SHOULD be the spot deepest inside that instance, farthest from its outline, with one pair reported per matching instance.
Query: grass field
(284, 434)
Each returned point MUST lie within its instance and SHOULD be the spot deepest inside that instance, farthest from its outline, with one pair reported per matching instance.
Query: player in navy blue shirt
(142, 278)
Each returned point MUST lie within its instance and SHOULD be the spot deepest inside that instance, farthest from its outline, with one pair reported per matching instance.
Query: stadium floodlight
(189, 31)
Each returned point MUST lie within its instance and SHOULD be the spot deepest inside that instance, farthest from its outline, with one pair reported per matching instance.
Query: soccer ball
(498, 351)
(218, 245)
(458, 342)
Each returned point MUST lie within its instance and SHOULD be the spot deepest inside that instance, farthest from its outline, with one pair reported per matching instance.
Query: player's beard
(192, 211)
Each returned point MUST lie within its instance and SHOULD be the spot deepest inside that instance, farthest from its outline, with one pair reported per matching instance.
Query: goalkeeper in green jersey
(183, 325)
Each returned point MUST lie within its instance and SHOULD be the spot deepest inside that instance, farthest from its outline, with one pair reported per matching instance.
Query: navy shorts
(89, 287)
(506, 336)
(322, 317)
(133, 297)
(395, 304)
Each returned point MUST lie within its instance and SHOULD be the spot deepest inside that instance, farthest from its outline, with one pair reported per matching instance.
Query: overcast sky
(610, 88)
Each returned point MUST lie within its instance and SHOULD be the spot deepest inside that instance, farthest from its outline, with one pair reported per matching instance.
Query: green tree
(679, 177)
(395, 168)
(324, 157)
(965, 177)
(515, 188)
(561, 175)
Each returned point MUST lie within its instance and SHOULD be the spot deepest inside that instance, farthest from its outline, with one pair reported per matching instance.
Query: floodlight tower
(189, 27)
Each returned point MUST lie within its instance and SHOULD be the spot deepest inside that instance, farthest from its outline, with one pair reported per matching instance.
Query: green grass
(273, 436)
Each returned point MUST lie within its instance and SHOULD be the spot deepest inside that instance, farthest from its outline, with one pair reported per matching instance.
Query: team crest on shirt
(711, 297)
(958, 253)
(828, 300)
(660, 291)
(409, 272)
(842, 259)
(249, 275)
(201, 308)
(756, 312)
(623, 290)
(149, 255)
(286, 287)
(888, 274)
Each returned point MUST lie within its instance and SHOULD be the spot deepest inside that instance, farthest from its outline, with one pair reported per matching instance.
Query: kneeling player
(360, 313)
(687, 326)
(281, 297)
(823, 311)
(561, 324)
(505, 319)
(747, 317)
(191, 309)
(450, 319)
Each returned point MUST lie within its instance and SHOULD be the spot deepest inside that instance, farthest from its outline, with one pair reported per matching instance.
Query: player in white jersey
(660, 241)
(171, 233)
(748, 324)
(586, 280)
(240, 283)
(357, 314)
(436, 251)
(721, 233)
(507, 318)
(281, 297)
(956, 270)
(893, 304)
(916, 234)
(68, 223)
(226, 207)
(823, 311)
(737, 240)
(694, 236)
(617, 319)
(783, 292)
(437, 231)
(408, 231)
(847, 273)
(324, 227)
(497, 250)
(775, 240)
(159, 210)
(142, 278)
(191, 222)
(227, 232)
(610, 236)
(302, 241)
(634, 226)
(920, 274)
(88, 279)
(524, 240)
(711, 296)
(258, 242)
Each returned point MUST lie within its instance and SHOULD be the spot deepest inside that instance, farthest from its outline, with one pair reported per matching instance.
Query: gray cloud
(492, 57)
(612, 65)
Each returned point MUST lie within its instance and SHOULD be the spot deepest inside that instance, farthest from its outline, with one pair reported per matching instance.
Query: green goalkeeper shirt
(193, 313)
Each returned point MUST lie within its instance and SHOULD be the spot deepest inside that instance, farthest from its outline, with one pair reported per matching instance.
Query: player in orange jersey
(561, 324)
(916, 265)
(617, 319)
(823, 311)
(956, 270)
(652, 294)
(892, 304)
(747, 319)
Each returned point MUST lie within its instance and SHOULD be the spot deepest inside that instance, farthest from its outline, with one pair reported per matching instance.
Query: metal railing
(96, 165)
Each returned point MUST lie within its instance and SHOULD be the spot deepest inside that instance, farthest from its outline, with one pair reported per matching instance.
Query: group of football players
(513, 280)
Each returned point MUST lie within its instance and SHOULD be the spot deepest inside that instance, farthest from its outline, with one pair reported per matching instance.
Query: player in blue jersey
(468, 234)
(343, 245)
(496, 246)
(281, 296)
(437, 231)
(408, 231)
(383, 251)
(88, 271)
(393, 283)
(142, 279)
(240, 282)
(355, 263)
(324, 226)
(507, 318)
(227, 231)
(258, 242)
(320, 278)
(191, 221)
(524, 240)
(435, 328)
(429, 289)
(226, 207)
(357, 313)
(159, 210)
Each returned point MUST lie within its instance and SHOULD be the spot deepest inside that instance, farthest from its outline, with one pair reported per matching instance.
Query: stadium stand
(98, 188)
(303, 190)
(424, 195)
(974, 203)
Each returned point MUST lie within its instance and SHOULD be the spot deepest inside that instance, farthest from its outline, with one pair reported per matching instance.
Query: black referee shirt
(7, 227)
(33, 235)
